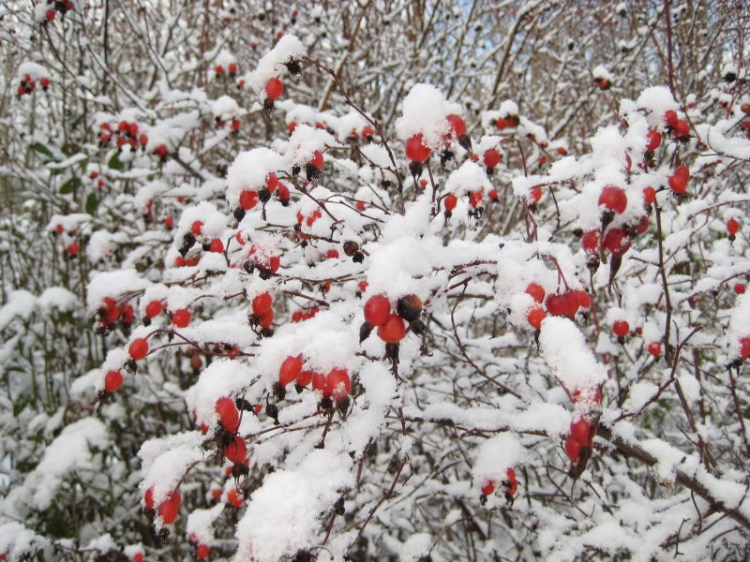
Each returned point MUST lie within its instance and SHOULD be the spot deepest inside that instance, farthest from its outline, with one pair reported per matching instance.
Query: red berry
(493, 195)
(536, 194)
(113, 381)
(290, 370)
(621, 328)
(304, 378)
(363, 286)
(234, 497)
(161, 150)
(739, 289)
(202, 552)
(272, 182)
(654, 140)
(670, 118)
(536, 316)
(138, 349)
(138, 557)
(232, 68)
(367, 132)
(143, 139)
(450, 202)
(169, 509)
(649, 195)
(488, 488)
(682, 128)
(590, 241)
(536, 291)
(377, 310)
(274, 88)
(133, 129)
(284, 193)
(332, 253)
(248, 199)
(218, 69)
(581, 431)
(733, 227)
(267, 319)
(584, 299)
(457, 124)
(339, 383)
(148, 498)
(613, 198)
(291, 126)
(217, 246)
(197, 228)
(510, 474)
(503, 124)
(236, 451)
(262, 304)
(393, 330)
(50, 15)
(745, 347)
(677, 184)
(642, 225)
(181, 318)
(74, 248)
(475, 199)
(317, 160)
(557, 305)
(228, 414)
(416, 149)
(654, 348)
(572, 449)
(683, 172)
(491, 158)
(616, 241)
(169, 223)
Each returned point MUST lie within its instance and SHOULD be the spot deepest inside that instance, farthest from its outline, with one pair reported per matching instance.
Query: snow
(21, 304)
(494, 457)
(70, 451)
(568, 356)
(271, 65)
(113, 284)
(415, 547)
(424, 112)
(282, 517)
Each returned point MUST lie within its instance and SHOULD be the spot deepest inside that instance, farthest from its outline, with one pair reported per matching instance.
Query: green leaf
(39, 147)
(92, 202)
(69, 186)
(115, 163)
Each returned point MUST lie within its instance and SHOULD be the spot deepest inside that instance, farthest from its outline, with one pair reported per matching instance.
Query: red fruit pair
(337, 383)
(262, 304)
(678, 180)
(581, 435)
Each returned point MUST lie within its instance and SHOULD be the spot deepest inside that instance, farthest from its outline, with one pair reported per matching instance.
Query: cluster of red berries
(391, 326)
(508, 121)
(367, 133)
(233, 445)
(124, 133)
(166, 510)
(679, 128)
(582, 430)
(310, 220)
(302, 315)
(180, 317)
(109, 313)
(263, 311)
(231, 70)
(55, 6)
(249, 197)
(74, 247)
(28, 84)
(335, 384)
(510, 487)
(561, 304)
